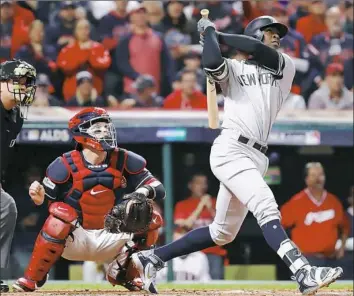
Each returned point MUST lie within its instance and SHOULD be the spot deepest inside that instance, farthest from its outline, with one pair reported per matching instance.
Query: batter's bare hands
(36, 192)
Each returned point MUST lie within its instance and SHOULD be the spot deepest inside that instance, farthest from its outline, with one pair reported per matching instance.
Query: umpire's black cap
(256, 27)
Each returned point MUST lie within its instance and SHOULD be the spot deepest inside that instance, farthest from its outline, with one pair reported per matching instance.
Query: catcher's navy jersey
(58, 182)
(93, 189)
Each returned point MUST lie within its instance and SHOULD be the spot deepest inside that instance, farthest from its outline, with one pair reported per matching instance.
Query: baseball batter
(86, 189)
(254, 90)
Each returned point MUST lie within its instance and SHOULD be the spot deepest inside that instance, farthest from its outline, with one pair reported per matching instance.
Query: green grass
(255, 286)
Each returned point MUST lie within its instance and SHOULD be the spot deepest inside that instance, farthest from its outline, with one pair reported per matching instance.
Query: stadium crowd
(130, 54)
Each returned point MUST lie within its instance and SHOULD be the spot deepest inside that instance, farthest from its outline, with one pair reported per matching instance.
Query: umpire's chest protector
(92, 192)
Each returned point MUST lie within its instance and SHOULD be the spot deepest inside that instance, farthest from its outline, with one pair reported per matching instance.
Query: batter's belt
(245, 140)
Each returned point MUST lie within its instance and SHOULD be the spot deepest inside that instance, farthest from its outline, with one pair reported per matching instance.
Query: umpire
(17, 90)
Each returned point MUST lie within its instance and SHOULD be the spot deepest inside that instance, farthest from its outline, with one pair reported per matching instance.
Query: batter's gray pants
(240, 169)
(8, 216)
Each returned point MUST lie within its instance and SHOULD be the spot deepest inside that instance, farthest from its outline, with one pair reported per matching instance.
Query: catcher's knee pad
(51, 240)
(264, 206)
(221, 234)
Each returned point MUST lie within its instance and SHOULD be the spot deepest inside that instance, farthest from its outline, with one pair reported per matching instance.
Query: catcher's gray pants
(8, 216)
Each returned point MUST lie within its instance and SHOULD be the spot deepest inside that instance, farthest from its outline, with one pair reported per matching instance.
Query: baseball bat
(213, 110)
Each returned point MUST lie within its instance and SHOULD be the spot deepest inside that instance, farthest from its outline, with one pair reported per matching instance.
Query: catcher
(100, 209)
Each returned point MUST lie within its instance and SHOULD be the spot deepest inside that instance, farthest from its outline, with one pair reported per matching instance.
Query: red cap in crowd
(334, 68)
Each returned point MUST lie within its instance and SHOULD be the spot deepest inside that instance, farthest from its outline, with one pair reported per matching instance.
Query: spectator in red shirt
(314, 23)
(143, 52)
(14, 26)
(302, 9)
(199, 210)
(42, 56)
(187, 97)
(317, 219)
(253, 9)
(84, 54)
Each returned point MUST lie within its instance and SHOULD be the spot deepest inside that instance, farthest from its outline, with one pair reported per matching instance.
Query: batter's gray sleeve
(8, 216)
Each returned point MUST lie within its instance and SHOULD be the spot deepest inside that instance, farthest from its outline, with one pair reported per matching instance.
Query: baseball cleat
(311, 279)
(26, 285)
(147, 264)
(3, 287)
(41, 283)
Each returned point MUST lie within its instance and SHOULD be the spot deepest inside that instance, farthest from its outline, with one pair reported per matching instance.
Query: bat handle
(205, 13)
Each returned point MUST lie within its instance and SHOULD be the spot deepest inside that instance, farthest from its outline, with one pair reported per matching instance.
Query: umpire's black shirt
(10, 125)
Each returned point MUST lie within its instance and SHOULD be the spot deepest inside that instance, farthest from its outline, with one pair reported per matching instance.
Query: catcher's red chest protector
(92, 192)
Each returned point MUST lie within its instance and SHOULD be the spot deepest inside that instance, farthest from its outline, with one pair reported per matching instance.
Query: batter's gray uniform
(253, 98)
(8, 216)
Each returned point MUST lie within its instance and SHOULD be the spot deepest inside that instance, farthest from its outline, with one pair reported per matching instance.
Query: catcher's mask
(20, 78)
(93, 127)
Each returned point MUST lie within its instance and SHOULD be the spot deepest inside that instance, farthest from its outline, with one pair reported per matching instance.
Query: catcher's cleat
(311, 279)
(3, 287)
(26, 285)
(147, 265)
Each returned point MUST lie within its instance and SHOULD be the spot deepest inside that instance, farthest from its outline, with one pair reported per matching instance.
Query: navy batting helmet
(256, 27)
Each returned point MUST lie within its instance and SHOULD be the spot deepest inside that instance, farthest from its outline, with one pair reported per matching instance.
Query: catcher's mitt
(132, 215)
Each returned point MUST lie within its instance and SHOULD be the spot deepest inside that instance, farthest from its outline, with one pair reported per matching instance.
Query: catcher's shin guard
(51, 240)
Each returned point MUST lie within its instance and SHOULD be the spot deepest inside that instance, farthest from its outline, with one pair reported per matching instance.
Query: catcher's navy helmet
(93, 126)
(256, 27)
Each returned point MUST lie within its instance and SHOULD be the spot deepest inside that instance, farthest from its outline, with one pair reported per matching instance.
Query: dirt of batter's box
(181, 292)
